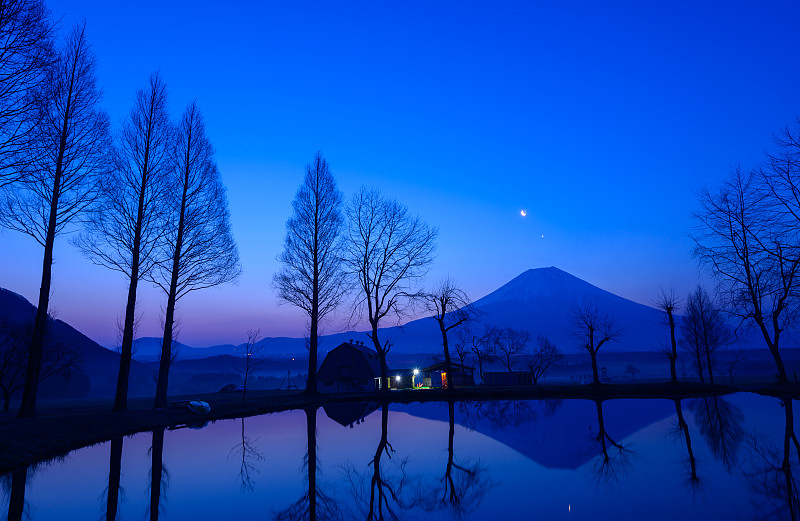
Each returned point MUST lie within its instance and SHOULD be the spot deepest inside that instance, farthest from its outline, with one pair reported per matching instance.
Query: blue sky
(600, 119)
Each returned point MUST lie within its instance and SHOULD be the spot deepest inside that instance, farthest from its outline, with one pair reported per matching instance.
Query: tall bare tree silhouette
(67, 154)
(311, 277)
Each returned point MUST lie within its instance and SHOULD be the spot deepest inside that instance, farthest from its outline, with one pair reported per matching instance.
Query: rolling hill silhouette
(99, 364)
(540, 300)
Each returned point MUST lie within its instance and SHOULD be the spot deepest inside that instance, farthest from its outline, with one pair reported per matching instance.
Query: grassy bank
(63, 426)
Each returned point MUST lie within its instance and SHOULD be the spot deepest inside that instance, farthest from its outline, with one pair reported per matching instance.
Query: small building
(404, 378)
(436, 375)
(349, 367)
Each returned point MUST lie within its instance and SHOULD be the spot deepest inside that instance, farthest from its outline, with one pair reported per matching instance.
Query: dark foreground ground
(62, 426)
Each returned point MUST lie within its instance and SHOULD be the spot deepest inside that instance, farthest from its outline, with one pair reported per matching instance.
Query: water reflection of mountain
(556, 435)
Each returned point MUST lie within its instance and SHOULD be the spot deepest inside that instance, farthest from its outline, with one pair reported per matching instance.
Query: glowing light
(523, 213)
(397, 378)
(416, 372)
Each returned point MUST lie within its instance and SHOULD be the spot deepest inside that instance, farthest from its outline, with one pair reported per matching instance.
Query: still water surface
(728, 458)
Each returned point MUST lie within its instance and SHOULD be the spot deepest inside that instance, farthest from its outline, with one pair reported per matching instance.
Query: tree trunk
(6, 402)
(114, 472)
(165, 360)
(156, 471)
(685, 429)
(782, 377)
(673, 358)
(708, 365)
(313, 341)
(126, 350)
(28, 406)
(381, 358)
(700, 368)
(162, 383)
(16, 499)
(311, 436)
(595, 374)
(311, 381)
(448, 362)
(773, 347)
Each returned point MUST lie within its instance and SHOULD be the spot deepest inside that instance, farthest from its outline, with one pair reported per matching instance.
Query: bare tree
(125, 225)
(543, 357)
(773, 473)
(198, 242)
(26, 51)
(250, 455)
(751, 247)
(704, 330)
(615, 461)
(253, 359)
(632, 370)
(68, 153)
(315, 504)
(311, 277)
(683, 430)
(14, 342)
(510, 343)
(386, 250)
(721, 425)
(451, 308)
(667, 302)
(484, 347)
(385, 493)
(462, 343)
(593, 329)
(463, 486)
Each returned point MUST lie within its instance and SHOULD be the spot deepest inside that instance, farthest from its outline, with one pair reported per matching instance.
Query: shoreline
(62, 427)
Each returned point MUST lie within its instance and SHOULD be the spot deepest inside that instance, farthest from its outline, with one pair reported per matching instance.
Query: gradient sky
(600, 120)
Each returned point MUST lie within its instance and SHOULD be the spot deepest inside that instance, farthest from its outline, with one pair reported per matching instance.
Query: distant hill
(99, 364)
(540, 300)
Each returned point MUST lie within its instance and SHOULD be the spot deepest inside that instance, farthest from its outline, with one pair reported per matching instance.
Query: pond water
(733, 457)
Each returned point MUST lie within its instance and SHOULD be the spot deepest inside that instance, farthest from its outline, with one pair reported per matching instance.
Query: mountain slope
(542, 301)
(98, 363)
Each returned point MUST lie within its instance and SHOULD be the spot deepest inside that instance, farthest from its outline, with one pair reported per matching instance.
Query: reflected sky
(572, 459)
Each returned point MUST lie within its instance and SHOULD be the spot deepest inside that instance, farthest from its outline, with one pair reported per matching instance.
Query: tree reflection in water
(502, 414)
(773, 472)
(721, 426)
(683, 431)
(314, 504)
(112, 493)
(14, 486)
(614, 461)
(250, 455)
(384, 494)
(159, 476)
(463, 486)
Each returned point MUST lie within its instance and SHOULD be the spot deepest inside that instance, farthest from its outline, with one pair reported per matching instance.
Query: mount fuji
(541, 301)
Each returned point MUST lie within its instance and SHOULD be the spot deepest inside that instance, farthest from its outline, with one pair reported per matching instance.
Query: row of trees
(748, 237)
(150, 199)
(371, 249)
